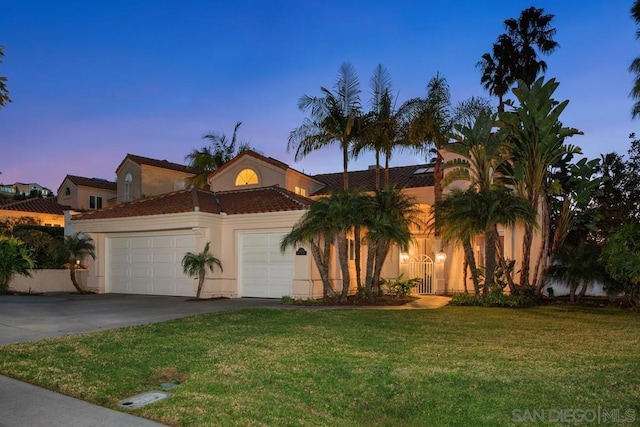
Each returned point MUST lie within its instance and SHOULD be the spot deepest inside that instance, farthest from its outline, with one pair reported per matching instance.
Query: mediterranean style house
(252, 202)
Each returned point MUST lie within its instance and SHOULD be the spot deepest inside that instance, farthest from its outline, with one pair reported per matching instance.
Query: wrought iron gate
(421, 267)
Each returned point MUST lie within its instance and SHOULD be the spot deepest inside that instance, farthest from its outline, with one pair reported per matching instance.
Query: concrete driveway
(30, 318)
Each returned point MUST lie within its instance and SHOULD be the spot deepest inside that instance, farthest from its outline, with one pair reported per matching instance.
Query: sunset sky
(92, 81)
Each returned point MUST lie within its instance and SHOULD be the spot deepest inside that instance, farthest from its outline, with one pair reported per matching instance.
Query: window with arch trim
(128, 179)
(247, 177)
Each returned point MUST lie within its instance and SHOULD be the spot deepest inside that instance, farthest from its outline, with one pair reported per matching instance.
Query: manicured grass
(302, 367)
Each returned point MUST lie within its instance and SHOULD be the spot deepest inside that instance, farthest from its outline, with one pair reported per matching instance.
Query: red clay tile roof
(47, 205)
(164, 164)
(266, 199)
(365, 180)
(91, 182)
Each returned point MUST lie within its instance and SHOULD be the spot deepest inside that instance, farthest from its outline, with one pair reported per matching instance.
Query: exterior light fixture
(441, 256)
(404, 257)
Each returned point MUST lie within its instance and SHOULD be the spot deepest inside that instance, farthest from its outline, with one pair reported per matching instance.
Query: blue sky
(92, 81)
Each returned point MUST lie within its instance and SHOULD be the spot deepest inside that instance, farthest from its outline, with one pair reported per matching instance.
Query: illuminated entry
(247, 177)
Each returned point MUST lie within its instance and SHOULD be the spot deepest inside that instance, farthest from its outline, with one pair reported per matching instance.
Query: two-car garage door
(149, 265)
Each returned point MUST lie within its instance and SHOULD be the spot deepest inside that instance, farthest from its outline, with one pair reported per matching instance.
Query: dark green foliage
(493, 300)
(621, 255)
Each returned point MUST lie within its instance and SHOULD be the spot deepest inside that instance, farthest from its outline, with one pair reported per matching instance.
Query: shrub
(491, 300)
(400, 287)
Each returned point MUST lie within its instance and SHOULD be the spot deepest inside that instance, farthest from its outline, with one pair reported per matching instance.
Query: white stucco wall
(48, 281)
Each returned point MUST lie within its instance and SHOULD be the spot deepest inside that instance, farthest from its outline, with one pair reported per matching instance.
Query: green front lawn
(452, 366)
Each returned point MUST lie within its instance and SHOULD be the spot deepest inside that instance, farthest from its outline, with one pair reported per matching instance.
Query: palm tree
(317, 229)
(496, 77)
(431, 125)
(195, 264)
(15, 258)
(537, 143)
(4, 92)
(75, 248)
(515, 53)
(385, 128)
(532, 30)
(388, 221)
(334, 117)
(211, 157)
(481, 153)
(635, 65)
(464, 215)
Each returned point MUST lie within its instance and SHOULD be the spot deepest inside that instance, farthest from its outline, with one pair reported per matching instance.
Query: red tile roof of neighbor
(91, 182)
(365, 180)
(257, 200)
(164, 164)
(47, 205)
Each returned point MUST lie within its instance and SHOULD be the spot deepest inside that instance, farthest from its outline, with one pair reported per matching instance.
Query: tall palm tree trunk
(72, 273)
(356, 248)
(368, 279)
(201, 274)
(471, 261)
(345, 164)
(343, 258)
(490, 260)
(323, 266)
(381, 254)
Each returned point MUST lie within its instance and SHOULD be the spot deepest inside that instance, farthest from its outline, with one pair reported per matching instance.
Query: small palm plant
(75, 248)
(195, 264)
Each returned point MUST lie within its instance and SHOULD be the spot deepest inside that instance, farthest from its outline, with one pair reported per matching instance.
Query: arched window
(246, 177)
(127, 188)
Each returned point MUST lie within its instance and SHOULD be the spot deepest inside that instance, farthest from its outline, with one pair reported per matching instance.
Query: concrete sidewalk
(23, 404)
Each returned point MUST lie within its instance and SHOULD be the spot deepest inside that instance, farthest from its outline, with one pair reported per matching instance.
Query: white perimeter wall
(48, 281)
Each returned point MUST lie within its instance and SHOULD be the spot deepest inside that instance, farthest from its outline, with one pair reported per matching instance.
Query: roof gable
(81, 181)
(164, 164)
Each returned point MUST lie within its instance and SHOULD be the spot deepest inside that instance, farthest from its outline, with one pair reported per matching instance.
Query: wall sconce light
(441, 256)
(404, 257)
(77, 262)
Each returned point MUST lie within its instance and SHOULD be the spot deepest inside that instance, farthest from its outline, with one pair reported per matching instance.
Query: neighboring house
(82, 193)
(254, 201)
(139, 177)
(26, 189)
(47, 211)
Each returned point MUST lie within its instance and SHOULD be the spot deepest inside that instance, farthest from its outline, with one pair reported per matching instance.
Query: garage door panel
(150, 265)
(161, 257)
(140, 243)
(264, 271)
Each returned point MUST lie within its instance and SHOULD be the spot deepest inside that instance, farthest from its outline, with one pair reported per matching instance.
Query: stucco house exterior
(139, 177)
(252, 202)
(82, 193)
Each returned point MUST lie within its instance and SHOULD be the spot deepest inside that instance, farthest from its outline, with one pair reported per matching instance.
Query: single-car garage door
(149, 265)
(264, 271)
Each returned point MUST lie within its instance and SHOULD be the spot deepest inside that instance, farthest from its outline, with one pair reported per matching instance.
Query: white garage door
(149, 265)
(264, 271)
